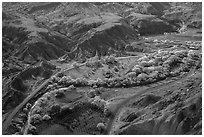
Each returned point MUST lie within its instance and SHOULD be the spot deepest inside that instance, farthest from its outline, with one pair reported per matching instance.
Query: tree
(131, 74)
(56, 108)
(36, 118)
(137, 69)
(142, 76)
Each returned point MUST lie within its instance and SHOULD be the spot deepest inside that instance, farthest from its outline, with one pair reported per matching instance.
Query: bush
(91, 93)
(181, 53)
(31, 129)
(100, 127)
(189, 62)
(100, 103)
(171, 61)
(23, 116)
(36, 110)
(28, 105)
(110, 60)
(152, 62)
(35, 119)
(116, 69)
(193, 55)
(71, 87)
(144, 64)
(56, 108)
(137, 69)
(25, 110)
(60, 74)
(55, 79)
(81, 82)
(142, 77)
(131, 74)
(154, 75)
(107, 112)
(109, 74)
(46, 117)
(59, 94)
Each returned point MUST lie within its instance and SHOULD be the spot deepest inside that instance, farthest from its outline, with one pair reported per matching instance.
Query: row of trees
(145, 72)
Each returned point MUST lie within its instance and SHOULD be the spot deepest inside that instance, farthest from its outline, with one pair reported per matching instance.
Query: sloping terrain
(165, 111)
(101, 68)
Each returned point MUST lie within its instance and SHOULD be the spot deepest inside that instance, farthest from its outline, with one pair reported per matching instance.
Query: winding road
(8, 120)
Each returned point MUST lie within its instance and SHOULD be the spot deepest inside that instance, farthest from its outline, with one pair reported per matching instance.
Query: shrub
(28, 105)
(189, 62)
(100, 127)
(72, 87)
(107, 112)
(23, 116)
(131, 74)
(158, 60)
(35, 119)
(91, 93)
(17, 133)
(81, 82)
(193, 55)
(36, 110)
(144, 64)
(110, 60)
(171, 61)
(60, 74)
(152, 62)
(100, 82)
(56, 108)
(144, 58)
(75, 65)
(31, 129)
(137, 69)
(46, 117)
(101, 103)
(55, 79)
(154, 75)
(59, 94)
(109, 74)
(116, 69)
(181, 53)
(25, 110)
(142, 77)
